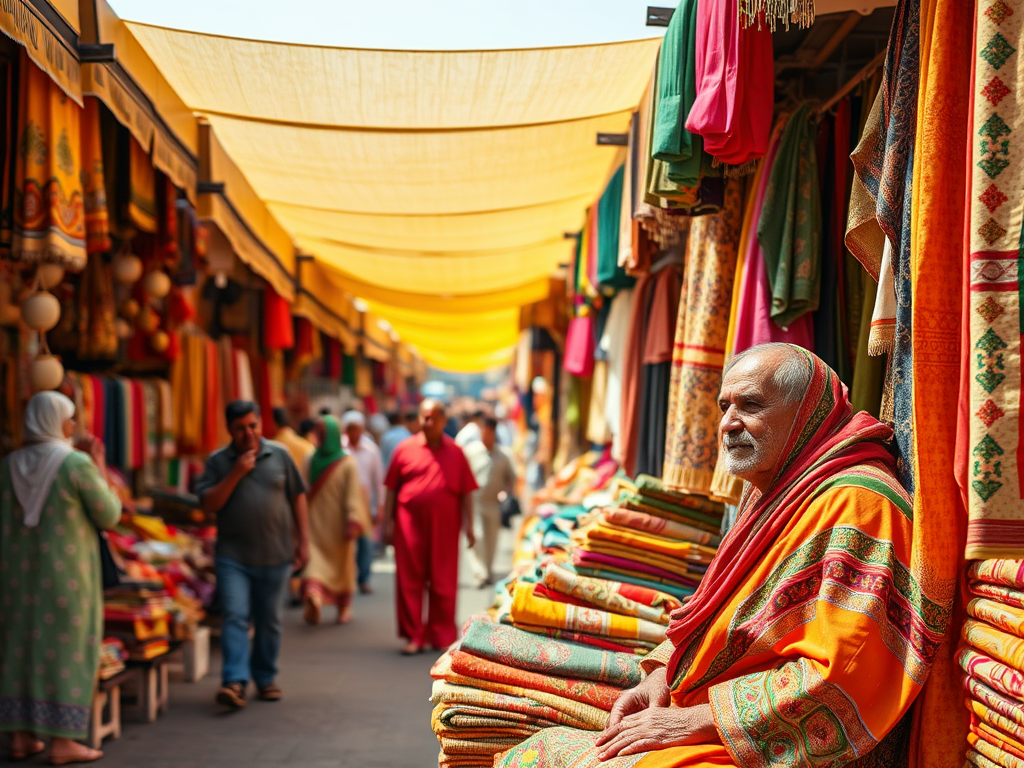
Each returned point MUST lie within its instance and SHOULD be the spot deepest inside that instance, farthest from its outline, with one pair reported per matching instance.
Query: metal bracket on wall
(658, 17)
(613, 139)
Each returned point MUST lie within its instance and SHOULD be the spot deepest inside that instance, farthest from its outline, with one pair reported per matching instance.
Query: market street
(350, 699)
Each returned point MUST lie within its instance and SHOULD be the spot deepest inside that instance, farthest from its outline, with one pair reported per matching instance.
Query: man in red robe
(429, 499)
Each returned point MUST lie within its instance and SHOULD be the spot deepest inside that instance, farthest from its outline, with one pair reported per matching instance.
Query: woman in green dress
(52, 500)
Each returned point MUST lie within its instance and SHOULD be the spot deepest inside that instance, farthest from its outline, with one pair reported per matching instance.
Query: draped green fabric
(330, 450)
(675, 93)
(790, 227)
(609, 219)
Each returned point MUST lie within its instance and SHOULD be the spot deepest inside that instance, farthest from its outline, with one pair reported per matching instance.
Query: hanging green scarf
(676, 90)
(790, 227)
(329, 451)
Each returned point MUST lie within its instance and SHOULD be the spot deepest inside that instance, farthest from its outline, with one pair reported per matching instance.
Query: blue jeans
(256, 594)
(364, 559)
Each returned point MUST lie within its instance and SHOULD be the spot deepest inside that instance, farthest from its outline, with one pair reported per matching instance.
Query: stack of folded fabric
(138, 614)
(993, 658)
(113, 655)
(500, 685)
(591, 611)
(652, 537)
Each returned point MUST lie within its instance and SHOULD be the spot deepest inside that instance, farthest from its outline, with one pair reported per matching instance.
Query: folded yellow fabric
(527, 608)
(670, 564)
(1004, 617)
(994, 642)
(609, 595)
(651, 542)
(444, 692)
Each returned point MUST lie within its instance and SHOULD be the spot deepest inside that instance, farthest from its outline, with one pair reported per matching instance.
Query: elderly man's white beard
(750, 457)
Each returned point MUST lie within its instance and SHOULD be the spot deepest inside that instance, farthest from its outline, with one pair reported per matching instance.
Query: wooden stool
(153, 684)
(108, 692)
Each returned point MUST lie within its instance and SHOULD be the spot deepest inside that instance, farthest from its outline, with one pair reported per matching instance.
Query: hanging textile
(188, 376)
(141, 209)
(613, 342)
(633, 372)
(831, 344)
(609, 214)
(699, 353)
(94, 190)
(675, 91)
(96, 330)
(936, 259)
(659, 335)
(8, 153)
(994, 451)
(750, 320)
(579, 345)
(49, 213)
(277, 321)
(789, 229)
(735, 89)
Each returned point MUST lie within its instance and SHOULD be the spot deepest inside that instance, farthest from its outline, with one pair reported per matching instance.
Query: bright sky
(406, 24)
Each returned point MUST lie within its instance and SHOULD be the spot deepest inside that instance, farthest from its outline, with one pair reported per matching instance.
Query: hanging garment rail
(853, 82)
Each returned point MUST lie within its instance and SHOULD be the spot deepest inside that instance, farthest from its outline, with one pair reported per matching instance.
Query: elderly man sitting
(810, 635)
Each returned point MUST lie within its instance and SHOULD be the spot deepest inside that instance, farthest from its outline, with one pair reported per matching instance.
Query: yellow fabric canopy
(435, 185)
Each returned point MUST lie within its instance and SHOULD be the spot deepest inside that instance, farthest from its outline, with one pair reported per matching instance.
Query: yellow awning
(426, 183)
(119, 71)
(49, 32)
(228, 201)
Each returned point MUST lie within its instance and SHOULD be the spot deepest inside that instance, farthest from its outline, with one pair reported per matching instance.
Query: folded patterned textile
(991, 673)
(529, 609)
(589, 718)
(449, 694)
(664, 565)
(982, 697)
(598, 695)
(994, 642)
(985, 745)
(1004, 617)
(653, 487)
(998, 592)
(632, 647)
(641, 521)
(1001, 726)
(463, 761)
(613, 596)
(651, 543)
(1009, 573)
(523, 650)
(660, 508)
(979, 760)
(991, 723)
(590, 558)
(609, 573)
(454, 747)
(466, 715)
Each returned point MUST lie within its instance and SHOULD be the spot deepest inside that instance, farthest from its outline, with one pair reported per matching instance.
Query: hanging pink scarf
(735, 84)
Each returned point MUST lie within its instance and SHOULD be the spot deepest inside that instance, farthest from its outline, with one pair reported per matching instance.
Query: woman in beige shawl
(338, 516)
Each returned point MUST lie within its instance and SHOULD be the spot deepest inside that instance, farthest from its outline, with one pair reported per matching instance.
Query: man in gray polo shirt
(257, 494)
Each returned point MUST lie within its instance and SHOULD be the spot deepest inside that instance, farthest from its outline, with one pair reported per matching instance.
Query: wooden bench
(105, 718)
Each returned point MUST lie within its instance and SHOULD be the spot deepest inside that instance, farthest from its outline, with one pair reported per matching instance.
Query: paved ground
(350, 700)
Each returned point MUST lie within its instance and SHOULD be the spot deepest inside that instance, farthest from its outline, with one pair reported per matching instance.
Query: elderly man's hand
(659, 728)
(652, 692)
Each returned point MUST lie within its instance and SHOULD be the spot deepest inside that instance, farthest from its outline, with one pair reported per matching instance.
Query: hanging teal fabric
(675, 94)
(610, 276)
(348, 370)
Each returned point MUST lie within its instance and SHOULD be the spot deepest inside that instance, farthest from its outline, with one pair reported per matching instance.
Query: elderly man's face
(756, 419)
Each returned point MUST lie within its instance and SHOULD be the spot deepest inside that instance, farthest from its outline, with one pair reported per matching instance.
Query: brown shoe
(270, 693)
(231, 695)
(365, 589)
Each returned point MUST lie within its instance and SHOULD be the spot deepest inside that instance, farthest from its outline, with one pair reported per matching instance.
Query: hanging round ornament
(49, 275)
(148, 321)
(160, 341)
(130, 309)
(127, 268)
(41, 311)
(123, 328)
(156, 284)
(45, 372)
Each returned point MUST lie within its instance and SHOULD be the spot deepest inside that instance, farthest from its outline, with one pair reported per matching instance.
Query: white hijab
(34, 467)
